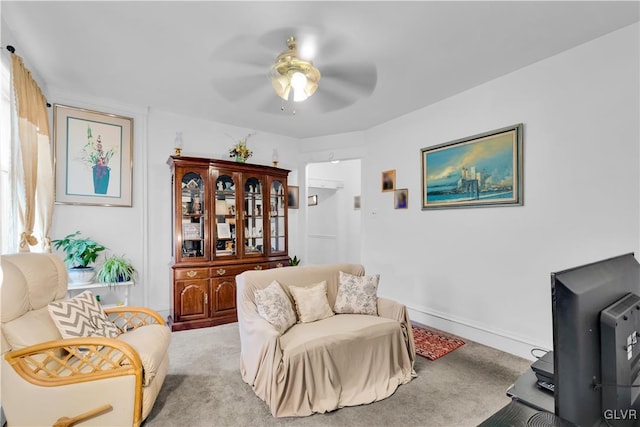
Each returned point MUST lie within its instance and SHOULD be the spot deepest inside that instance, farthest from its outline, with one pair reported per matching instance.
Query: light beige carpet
(204, 388)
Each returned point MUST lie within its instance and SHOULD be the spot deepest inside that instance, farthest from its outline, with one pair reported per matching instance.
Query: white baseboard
(503, 341)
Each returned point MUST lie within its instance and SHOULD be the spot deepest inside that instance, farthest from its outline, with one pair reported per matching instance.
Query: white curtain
(34, 169)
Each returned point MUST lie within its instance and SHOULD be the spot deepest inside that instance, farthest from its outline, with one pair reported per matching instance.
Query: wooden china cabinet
(227, 217)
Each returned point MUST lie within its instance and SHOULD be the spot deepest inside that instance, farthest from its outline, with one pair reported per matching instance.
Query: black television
(579, 297)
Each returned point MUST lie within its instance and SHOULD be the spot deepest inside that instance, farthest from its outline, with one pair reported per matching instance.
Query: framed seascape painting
(93, 157)
(481, 170)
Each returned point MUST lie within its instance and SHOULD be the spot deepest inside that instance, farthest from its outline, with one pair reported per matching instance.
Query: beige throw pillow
(82, 316)
(357, 294)
(311, 302)
(275, 307)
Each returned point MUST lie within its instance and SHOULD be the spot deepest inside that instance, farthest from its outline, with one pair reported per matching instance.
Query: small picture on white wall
(389, 180)
(356, 202)
(401, 198)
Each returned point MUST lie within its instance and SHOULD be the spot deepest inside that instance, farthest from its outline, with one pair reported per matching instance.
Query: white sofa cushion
(82, 316)
(20, 333)
(275, 307)
(311, 302)
(357, 294)
(151, 342)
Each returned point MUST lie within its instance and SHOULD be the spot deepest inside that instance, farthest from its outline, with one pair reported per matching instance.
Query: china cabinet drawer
(278, 264)
(191, 273)
(234, 270)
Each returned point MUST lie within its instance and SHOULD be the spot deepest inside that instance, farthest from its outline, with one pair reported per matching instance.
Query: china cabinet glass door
(193, 215)
(225, 214)
(277, 217)
(253, 215)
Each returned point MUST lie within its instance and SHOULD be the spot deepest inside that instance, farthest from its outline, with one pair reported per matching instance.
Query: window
(8, 213)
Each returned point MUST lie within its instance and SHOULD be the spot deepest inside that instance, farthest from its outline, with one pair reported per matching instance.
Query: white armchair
(48, 380)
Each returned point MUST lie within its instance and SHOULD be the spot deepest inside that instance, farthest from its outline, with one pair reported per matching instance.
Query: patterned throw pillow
(275, 307)
(82, 316)
(357, 294)
(311, 302)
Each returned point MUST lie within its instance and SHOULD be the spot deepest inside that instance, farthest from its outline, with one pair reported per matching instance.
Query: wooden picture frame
(389, 180)
(93, 157)
(478, 171)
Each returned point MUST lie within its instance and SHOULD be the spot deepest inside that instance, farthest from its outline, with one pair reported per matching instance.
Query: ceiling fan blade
(244, 50)
(358, 79)
(236, 88)
(327, 99)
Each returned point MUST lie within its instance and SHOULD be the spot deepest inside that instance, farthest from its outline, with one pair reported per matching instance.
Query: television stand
(518, 414)
(527, 391)
(529, 406)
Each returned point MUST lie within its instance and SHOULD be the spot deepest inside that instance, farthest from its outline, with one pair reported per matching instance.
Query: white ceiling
(192, 58)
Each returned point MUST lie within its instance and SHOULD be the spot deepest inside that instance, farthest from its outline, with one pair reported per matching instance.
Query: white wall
(484, 273)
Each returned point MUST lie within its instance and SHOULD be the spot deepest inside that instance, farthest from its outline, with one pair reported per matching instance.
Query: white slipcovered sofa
(47, 379)
(320, 365)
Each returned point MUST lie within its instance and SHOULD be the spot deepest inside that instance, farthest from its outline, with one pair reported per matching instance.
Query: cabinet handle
(278, 265)
(258, 267)
(206, 298)
(191, 274)
(221, 271)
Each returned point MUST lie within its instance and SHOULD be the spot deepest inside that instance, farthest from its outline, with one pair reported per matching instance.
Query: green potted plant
(80, 253)
(116, 269)
(294, 261)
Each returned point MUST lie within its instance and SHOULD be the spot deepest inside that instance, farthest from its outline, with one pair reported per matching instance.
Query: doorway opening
(333, 226)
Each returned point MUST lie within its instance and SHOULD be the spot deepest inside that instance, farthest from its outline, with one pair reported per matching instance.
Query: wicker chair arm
(128, 318)
(75, 360)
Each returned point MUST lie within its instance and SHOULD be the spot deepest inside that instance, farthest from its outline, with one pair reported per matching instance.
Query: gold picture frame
(389, 180)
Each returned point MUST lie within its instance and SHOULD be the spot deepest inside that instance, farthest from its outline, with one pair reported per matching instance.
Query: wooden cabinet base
(204, 323)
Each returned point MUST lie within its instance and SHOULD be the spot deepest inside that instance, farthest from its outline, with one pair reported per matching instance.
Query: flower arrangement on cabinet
(240, 150)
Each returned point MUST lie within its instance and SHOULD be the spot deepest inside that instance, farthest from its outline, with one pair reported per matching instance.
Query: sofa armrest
(81, 374)
(260, 351)
(127, 318)
(393, 310)
(75, 360)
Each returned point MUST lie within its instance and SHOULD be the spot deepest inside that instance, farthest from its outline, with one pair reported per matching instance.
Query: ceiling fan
(252, 68)
(294, 76)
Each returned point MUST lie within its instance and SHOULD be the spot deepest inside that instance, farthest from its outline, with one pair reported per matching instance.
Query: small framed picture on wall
(293, 196)
(389, 180)
(401, 198)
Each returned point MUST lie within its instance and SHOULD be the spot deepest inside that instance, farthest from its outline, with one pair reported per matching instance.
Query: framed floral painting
(93, 157)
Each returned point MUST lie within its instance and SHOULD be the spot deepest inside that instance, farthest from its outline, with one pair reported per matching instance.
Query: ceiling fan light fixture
(291, 72)
(298, 81)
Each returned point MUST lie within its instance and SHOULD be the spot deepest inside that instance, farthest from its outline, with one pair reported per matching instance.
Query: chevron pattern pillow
(82, 316)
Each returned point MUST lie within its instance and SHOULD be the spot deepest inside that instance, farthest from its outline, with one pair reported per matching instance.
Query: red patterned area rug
(432, 343)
